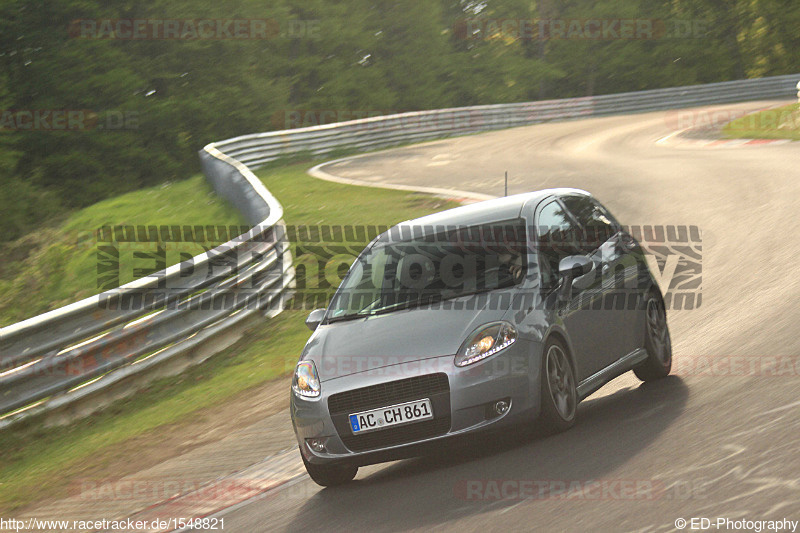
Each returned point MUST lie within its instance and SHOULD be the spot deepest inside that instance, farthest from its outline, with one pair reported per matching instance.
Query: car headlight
(306, 380)
(485, 342)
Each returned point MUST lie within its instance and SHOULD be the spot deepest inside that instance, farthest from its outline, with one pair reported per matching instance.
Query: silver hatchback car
(509, 311)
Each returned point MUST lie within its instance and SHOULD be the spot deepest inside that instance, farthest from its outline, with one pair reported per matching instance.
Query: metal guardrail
(378, 132)
(56, 355)
(103, 338)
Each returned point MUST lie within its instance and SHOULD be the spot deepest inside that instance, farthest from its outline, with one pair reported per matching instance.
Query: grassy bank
(39, 463)
(54, 266)
(780, 123)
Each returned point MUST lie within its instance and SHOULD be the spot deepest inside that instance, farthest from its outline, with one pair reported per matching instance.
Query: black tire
(330, 475)
(657, 341)
(559, 401)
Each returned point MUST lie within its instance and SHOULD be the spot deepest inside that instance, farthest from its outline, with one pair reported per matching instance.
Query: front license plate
(394, 415)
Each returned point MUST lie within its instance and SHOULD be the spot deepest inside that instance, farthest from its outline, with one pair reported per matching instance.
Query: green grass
(781, 123)
(36, 463)
(311, 201)
(52, 267)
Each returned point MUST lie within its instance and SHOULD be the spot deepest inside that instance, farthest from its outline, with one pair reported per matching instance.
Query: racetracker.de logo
(197, 490)
(724, 366)
(558, 489)
(192, 29)
(626, 29)
(476, 490)
(735, 119)
(67, 120)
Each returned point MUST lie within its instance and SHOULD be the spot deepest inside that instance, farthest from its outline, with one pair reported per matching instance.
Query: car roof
(498, 209)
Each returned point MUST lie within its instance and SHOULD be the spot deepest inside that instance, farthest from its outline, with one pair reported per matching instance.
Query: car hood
(406, 336)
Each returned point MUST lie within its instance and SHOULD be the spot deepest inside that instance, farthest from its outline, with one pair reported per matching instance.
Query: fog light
(317, 445)
(501, 407)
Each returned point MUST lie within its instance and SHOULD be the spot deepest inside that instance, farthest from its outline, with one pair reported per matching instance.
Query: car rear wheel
(559, 394)
(330, 475)
(657, 342)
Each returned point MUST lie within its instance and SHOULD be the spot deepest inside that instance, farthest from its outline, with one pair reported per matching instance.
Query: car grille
(390, 393)
(436, 387)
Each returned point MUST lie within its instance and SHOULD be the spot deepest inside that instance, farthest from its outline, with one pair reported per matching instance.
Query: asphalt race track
(718, 439)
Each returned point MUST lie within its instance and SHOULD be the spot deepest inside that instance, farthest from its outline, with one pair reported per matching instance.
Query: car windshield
(410, 266)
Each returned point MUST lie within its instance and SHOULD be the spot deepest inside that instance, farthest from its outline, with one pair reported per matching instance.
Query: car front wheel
(330, 475)
(559, 394)
(657, 342)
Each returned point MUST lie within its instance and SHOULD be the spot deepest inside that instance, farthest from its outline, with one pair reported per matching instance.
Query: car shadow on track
(432, 490)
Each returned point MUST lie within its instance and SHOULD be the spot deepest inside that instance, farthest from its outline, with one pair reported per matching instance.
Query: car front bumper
(463, 402)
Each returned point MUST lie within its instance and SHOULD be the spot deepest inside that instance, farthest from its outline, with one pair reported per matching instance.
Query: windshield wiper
(407, 304)
(382, 310)
(342, 318)
(430, 300)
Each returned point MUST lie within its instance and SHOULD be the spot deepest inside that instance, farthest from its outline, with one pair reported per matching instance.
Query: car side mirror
(314, 318)
(574, 266)
(571, 269)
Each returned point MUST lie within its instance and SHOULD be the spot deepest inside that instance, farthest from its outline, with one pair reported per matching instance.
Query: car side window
(597, 225)
(556, 239)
